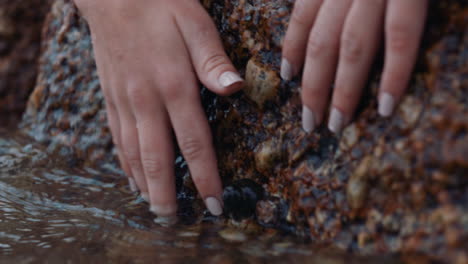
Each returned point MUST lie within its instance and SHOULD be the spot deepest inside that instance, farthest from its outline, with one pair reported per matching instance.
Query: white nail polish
(166, 221)
(386, 104)
(336, 121)
(308, 119)
(145, 197)
(286, 71)
(229, 78)
(132, 185)
(214, 206)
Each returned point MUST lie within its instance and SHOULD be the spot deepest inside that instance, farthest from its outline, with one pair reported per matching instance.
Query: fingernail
(308, 119)
(214, 206)
(286, 70)
(145, 197)
(336, 121)
(386, 104)
(132, 185)
(164, 211)
(166, 220)
(229, 78)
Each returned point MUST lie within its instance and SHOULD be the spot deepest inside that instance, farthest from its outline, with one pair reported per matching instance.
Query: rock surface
(394, 185)
(20, 30)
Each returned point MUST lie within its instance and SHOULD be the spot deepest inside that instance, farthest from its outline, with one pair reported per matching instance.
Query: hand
(149, 55)
(337, 41)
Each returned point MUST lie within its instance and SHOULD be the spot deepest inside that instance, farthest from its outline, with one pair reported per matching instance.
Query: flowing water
(52, 212)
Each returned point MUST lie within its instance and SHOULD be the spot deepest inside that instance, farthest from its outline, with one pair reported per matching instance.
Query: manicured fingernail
(145, 197)
(214, 206)
(308, 119)
(132, 185)
(286, 70)
(229, 78)
(336, 121)
(386, 104)
(166, 220)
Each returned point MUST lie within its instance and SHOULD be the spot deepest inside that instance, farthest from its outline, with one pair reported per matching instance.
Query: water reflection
(52, 212)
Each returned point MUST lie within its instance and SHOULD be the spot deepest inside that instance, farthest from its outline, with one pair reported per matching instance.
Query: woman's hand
(335, 42)
(150, 55)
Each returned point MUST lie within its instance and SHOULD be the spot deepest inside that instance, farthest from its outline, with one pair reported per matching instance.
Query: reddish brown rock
(394, 185)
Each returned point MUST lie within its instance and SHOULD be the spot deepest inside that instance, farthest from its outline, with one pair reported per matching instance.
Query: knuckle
(192, 148)
(300, 14)
(152, 166)
(171, 88)
(317, 46)
(133, 156)
(138, 94)
(398, 37)
(351, 47)
(213, 62)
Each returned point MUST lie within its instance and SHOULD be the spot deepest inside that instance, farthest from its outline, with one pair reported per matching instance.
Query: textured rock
(386, 185)
(20, 27)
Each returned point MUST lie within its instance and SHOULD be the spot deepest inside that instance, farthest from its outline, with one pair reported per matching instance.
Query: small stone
(358, 184)
(261, 83)
(350, 137)
(410, 110)
(267, 154)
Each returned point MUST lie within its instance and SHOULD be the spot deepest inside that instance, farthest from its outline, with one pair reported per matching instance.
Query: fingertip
(386, 104)
(230, 82)
(166, 221)
(168, 210)
(309, 119)
(337, 121)
(214, 205)
(286, 71)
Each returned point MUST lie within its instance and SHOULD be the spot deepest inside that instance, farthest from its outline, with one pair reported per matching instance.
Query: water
(52, 212)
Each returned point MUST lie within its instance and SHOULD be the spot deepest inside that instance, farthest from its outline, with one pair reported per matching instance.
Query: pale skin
(152, 54)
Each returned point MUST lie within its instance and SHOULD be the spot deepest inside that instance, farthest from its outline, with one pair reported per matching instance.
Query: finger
(130, 142)
(295, 41)
(321, 60)
(359, 42)
(404, 26)
(156, 150)
(103, 68)
(209, 59)
(194, 138)
(114, 125)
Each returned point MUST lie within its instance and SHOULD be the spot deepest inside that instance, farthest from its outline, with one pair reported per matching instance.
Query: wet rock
(240, 199)
(20, 31)
(410, 167)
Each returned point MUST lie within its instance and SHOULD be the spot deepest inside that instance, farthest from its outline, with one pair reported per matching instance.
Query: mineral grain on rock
(396, 185)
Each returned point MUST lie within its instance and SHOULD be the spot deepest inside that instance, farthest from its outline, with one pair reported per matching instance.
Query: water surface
(53, 212)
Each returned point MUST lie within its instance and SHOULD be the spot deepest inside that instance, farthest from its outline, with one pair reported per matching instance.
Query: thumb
(213, 67)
